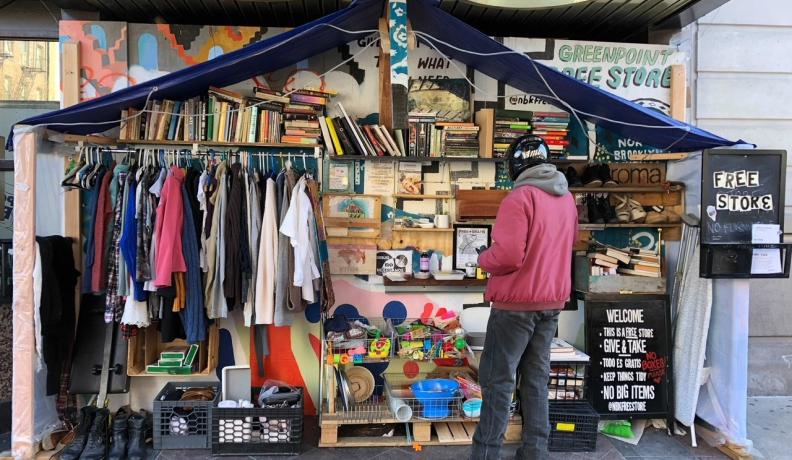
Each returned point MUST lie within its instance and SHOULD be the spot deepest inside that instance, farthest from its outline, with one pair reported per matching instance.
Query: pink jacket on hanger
(168, 230)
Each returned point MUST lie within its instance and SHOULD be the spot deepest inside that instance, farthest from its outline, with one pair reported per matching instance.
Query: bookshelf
(413, 159)
(222, 144)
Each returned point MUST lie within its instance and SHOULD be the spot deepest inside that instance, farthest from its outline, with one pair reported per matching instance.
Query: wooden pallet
(441, 433)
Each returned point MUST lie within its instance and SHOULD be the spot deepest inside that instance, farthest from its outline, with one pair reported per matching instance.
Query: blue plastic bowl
(435, 395)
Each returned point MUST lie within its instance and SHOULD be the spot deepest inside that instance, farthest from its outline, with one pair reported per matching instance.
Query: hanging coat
(169, 226)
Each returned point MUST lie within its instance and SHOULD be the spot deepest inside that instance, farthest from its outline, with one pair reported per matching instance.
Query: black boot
(96, 446)
(595, 215)
(136, 449)
(118, 449)
(572, 177)
(608, 211)
(75, 448)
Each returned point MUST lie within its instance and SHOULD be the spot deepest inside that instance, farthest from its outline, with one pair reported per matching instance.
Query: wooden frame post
(24, 337)
(678, 92)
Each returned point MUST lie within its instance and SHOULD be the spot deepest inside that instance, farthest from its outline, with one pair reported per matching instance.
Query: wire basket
(567, 381)
(425, 340)
(405, 406)
(183, 424)
(377, 344)
(372, 410)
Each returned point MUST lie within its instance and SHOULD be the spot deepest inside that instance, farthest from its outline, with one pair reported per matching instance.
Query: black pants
(516, 340)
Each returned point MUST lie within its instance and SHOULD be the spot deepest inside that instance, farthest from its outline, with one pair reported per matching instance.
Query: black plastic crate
(183, 424)
(257, 430)
(573, 427)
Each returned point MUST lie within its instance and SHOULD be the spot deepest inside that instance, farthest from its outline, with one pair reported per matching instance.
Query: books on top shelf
(222, 115)
(607, 260)
(561, 350)
(509, 126)
(553, 127)
(344, 135)
(458, 139)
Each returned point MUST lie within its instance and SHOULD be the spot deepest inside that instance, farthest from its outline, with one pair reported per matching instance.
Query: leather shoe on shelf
(582, 209)
(605, 176)
(591, 176)
(595, 215)
(573, 179)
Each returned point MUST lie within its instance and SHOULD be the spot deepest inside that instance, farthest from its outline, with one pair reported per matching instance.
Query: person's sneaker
(591, 176)
(573, 179)
(595, 215)
(605, 176)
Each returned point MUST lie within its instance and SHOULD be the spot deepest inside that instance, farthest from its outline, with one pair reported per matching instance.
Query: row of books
(509, 126)
(429, 137)
(343, 135)
(607, 260)
(458, 139)
(222, 115)
(553, 127)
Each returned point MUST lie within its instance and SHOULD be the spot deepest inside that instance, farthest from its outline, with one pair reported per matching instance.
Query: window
(29, 70)
(5, 49)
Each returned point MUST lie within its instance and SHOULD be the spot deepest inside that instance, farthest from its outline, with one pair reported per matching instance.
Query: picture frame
(467, 239)
(351, 210)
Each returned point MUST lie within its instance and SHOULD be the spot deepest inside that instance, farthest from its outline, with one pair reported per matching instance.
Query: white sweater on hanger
(267, 265)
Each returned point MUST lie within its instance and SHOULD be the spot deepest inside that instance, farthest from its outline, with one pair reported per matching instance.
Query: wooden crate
(444, 432)
(615, 284)
(145, 348)
(478, 204)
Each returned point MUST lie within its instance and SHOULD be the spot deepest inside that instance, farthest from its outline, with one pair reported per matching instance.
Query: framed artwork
(448, 98)
(349, 210)
(468, 238)
(338, 177)
(352, 259)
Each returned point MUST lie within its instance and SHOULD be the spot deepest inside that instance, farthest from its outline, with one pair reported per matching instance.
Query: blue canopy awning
(435, 27)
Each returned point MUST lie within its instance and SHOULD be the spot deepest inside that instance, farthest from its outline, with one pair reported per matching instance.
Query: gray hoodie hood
(545, 177)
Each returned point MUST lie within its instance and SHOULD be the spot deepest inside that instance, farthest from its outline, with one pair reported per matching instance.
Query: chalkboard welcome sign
(629, 346)
(740, 188)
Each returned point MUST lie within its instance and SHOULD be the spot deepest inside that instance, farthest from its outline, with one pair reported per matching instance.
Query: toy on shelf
(432, 338)
(380, 348)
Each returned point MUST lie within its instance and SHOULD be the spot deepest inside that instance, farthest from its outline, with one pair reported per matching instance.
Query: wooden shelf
(419, 229)
(631, 225)
(110, 141)
(412, 159)
(221, 144)
(673, 187)
(422, 197)
(433, 285)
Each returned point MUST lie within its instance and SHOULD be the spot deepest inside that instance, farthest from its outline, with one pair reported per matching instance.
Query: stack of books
(458, 139)
(509, 126)
(553, 127)
(423, 138)
(301, 117)
(343, 135)
(607, 260)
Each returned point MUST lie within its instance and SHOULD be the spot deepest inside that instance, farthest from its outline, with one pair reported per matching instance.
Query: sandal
(623, 213)
(637, 213)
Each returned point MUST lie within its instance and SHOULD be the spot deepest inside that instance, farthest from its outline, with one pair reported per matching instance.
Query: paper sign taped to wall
(766, 261)
(765, 234)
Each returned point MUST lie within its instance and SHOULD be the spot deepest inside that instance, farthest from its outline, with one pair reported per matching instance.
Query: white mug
(442, 221)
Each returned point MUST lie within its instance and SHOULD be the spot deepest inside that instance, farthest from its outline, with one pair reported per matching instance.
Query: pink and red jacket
(530, 258)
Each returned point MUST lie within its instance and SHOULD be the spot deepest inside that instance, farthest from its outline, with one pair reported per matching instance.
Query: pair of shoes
(128, 436)
(90, 440)
(598, 176)
(572, 177)
(661, 215)
(629, 210)
(600, 211)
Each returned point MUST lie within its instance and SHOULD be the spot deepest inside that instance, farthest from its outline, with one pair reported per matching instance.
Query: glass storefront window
(29, 70)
